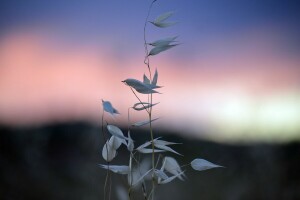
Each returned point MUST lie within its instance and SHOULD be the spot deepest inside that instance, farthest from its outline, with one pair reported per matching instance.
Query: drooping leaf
(108, 152)
(115, 131)
(158, 49)
(142, 123)
(201, 164)
(146, 80)
(107, 106)
(143, 106)
(119, 169)
(139, 86)
(164, 147)
(163, 42)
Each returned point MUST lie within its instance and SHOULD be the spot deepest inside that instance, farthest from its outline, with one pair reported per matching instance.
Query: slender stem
(104, 139)
(147, 63)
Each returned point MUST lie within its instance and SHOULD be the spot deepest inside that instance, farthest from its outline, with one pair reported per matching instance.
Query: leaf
(160, 20)
(136, 173)
(147, 150)
(164, 24)
(142, 123)
(171, 166)
(163, 42)
(115, 131)
(163, 17)
(108, 152)
(143, 106)
(201, 164)
(107, 106)
(119, 169)
(141, 178)
(146, 80)
(168, 180)
(139, 86)
(160, 146)
(116, 142)
(159, 49)
(160, 174)
(144, 145)
(154, 80)
(162, 142)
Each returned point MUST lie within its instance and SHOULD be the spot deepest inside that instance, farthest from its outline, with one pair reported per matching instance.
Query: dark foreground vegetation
(60, 162)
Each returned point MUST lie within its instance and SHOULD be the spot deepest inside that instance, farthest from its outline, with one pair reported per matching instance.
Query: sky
(234, 76)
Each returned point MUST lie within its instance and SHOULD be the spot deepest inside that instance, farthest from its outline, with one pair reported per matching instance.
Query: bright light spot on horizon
(272, 118)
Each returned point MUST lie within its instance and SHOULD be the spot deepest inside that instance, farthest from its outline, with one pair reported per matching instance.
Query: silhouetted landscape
(60, 161)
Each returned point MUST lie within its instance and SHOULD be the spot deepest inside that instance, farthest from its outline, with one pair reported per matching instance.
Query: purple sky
(235, 75)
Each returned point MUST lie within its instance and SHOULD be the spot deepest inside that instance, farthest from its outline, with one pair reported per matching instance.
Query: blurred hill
(60, 162)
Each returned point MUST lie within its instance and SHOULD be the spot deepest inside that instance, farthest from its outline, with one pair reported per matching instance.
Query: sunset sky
(234, 76)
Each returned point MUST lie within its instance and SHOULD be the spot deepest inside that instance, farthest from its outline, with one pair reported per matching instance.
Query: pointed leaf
(160, 146)
(146, 80)
(119, 169)
(145, 150)
(201, 164)
(139, 86)
(142, 123)
(163, 17)
(144, 145)
(162, 142)
(154, 80)
(163, 42)
(159, 49)
(164, 24)
(115, 131)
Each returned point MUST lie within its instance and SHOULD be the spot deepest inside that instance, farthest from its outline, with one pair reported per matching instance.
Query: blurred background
(231, 94)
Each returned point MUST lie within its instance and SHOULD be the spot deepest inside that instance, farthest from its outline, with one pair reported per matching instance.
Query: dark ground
(60, 162)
